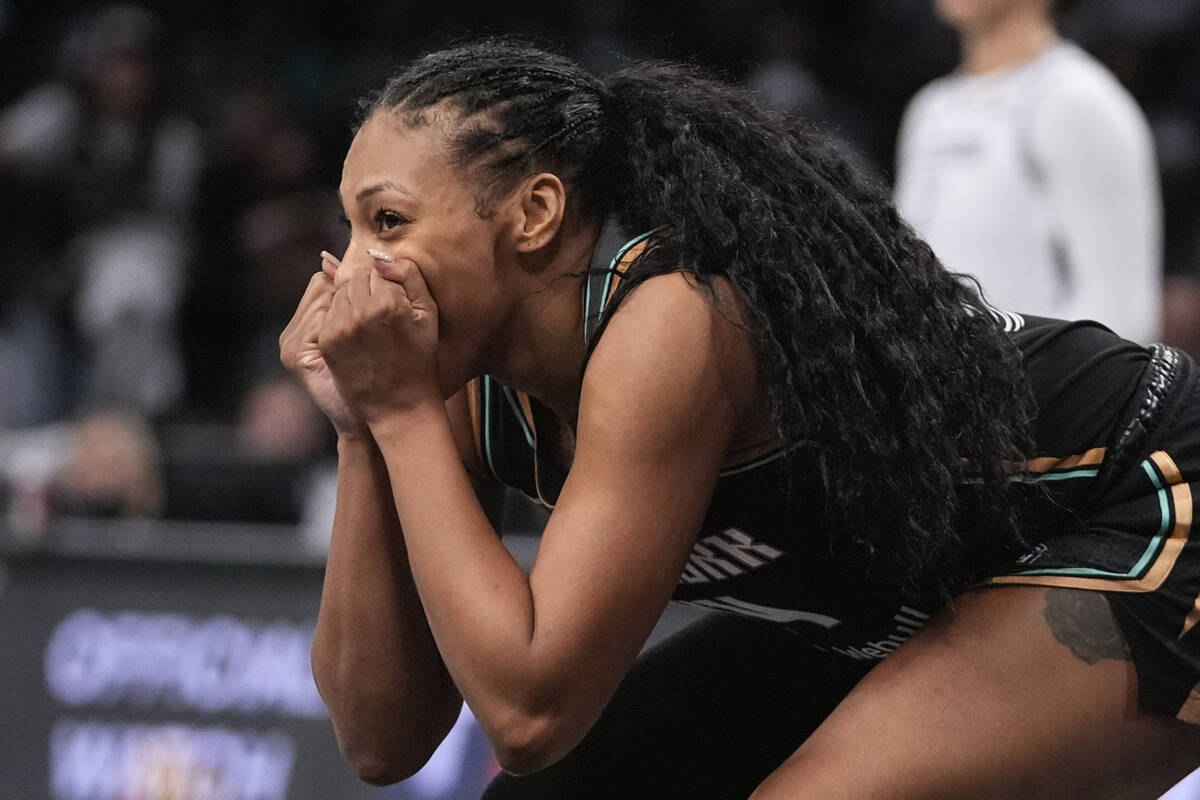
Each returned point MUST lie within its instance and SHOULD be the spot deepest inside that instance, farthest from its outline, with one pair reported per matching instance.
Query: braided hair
(891, 370)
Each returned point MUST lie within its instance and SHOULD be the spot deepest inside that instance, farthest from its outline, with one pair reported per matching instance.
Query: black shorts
(1129, 533)
(706, 714)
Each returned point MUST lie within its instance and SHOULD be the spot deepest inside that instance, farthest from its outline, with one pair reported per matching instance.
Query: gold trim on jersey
(1190, 710)
(473, 391)
(1193, 617)
(1090, 458)
(527, 412)
(618, 271)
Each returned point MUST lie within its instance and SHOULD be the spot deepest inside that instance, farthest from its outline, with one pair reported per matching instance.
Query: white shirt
(1041, 182)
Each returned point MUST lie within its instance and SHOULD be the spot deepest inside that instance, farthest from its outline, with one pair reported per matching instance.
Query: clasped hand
(379, 338)
(367, 347)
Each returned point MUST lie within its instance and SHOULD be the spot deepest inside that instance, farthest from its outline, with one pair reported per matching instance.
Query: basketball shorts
(1129, 532)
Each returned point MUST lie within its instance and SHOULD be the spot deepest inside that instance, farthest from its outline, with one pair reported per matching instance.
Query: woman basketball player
(950, 546)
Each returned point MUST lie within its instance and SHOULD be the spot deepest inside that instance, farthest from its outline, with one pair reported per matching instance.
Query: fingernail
(382, 256)
(326, 254)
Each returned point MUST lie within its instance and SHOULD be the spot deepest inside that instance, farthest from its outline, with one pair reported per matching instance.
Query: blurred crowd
(169, 173)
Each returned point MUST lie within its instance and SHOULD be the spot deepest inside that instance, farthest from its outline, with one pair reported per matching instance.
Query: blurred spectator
(1033, 169)
(1151, 47)
(30, 460)
(113, 471)
(106, 171)
(782, 77)
(257, 453)
(107, 464)
(266, 216)
(279, 421)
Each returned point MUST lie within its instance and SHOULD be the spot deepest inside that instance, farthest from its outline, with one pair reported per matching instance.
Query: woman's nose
(352, 264)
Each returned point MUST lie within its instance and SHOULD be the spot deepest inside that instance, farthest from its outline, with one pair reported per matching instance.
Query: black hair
(890, 369)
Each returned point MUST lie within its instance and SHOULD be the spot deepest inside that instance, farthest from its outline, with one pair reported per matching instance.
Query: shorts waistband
(1167, 381)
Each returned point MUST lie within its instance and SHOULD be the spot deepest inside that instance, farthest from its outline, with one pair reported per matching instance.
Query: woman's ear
(543, 202)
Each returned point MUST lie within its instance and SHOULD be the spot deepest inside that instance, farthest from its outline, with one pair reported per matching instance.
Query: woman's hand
(299, 352)
(380, 340)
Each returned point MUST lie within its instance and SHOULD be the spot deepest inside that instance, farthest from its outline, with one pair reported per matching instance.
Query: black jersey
(762, 551)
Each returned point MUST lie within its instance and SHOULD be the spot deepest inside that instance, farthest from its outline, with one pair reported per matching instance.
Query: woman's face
(974, 14)
(403, 197)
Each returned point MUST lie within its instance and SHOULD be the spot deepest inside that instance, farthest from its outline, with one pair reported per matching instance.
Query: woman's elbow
(382, 755)
(384, 766)
(384, 738)
(528, 744)
(385, 729)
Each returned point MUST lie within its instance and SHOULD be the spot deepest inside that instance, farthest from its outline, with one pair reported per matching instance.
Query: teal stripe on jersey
(515, 405)
(486, 402)
(593, 307)
(1075, 473)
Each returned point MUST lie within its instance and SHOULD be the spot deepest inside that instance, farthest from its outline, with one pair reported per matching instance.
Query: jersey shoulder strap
(502, 419)
(604, 274)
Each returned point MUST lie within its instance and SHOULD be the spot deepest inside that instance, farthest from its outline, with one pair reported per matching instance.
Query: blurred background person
(782, 78)
(1033, 169)
(1151, 48)
(107, 170)
(105, 167)
(112, 469)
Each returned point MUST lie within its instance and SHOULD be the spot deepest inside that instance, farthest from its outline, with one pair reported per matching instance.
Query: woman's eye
(388, 220)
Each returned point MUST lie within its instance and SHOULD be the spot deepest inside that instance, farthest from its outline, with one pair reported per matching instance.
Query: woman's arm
(376, 665)
(538, 656)
(374, 661)
(373, 658)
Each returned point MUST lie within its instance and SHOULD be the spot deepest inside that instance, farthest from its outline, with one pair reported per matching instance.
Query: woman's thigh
(708, 713)
(1002, 696)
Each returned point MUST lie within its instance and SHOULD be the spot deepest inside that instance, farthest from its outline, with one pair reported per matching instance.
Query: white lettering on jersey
(908, 622)
(782, 615)
(726, 554)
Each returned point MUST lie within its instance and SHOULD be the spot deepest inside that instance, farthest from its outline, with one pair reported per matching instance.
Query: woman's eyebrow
(379, 187)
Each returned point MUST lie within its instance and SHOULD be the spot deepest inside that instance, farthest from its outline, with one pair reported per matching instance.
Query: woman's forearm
(374, 659)
(478, 599)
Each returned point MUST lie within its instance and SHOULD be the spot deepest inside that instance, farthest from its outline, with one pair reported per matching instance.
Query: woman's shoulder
(685, 339)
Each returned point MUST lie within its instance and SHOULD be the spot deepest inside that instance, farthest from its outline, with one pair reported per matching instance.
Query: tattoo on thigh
(1083, 621)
